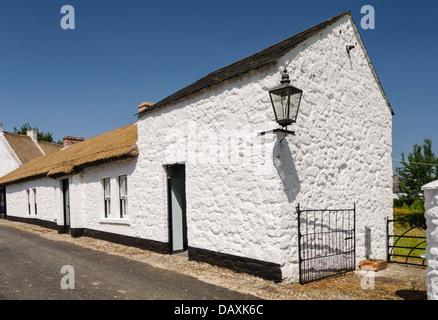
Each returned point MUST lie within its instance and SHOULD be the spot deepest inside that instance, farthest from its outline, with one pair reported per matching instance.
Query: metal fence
(407, 247)
(326, 242)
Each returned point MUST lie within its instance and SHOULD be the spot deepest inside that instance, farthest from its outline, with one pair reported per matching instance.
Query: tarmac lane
(35, 268)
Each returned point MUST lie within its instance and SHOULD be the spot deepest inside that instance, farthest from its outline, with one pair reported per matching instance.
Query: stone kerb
(431, 215)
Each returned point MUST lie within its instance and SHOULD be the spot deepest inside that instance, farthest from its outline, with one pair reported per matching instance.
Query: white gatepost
(431, 215)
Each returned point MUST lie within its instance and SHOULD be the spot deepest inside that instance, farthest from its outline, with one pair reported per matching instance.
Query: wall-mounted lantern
(285, 101)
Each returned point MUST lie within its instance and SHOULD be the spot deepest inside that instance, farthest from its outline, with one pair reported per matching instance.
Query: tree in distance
(41, 136)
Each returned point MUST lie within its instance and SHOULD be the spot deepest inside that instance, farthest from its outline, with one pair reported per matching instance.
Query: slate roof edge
(248, 64)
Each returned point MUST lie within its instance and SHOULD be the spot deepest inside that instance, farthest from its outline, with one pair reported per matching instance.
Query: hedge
(412, 218)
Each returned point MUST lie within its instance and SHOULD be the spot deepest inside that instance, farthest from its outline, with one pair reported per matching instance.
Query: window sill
(125, 221)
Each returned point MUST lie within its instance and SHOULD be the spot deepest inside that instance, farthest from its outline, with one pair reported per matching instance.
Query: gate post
(431, 215)
(354, 234)
(387, 239)
(299, 243)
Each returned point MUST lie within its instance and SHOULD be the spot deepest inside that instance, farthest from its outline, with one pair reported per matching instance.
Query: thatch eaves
(114, 145)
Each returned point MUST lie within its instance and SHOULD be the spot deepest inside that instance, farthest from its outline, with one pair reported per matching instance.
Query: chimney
(1, 127)
(68, 141)
(144, 106)
(33, 134)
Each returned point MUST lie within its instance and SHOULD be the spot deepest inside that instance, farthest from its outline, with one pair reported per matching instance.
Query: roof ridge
(332, 20)
(261, 58)
(27, 137)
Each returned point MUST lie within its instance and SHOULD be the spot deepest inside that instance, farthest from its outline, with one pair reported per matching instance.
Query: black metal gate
(326, 243)
(407, 247)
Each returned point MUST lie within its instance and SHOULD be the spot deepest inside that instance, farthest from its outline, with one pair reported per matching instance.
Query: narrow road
(30, 269)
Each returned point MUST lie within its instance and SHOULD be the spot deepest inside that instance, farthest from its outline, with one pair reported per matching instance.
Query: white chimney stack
(33, 134)
(1, 127)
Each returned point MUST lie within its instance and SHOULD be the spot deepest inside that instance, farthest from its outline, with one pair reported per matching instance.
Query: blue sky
(89, 80)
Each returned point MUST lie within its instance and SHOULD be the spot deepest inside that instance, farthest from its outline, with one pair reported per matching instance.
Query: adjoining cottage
(57, 190)
(16, 150)
(194, 174)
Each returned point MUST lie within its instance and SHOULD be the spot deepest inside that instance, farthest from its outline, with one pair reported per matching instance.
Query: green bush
(404, 203)
(418, 205)
(410, 218)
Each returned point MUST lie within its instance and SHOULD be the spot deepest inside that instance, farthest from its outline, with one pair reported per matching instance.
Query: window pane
(123, 185)
(35, 200)
(28, 200)
(107, 187)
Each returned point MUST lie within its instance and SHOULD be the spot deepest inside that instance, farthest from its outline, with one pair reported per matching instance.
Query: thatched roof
(49, 147)
(26, 149)
(113, 145)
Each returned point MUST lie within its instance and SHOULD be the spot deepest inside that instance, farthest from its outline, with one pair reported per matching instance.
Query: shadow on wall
(284, 163)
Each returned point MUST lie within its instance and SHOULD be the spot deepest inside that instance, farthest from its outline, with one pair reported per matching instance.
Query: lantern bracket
(285, 131)
(277, 130)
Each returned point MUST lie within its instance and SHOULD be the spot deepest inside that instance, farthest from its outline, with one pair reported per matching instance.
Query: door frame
(3, 214)
(172, 171)
(65, 187)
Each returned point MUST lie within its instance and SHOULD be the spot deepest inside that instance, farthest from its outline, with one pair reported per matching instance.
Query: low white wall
(431, 215)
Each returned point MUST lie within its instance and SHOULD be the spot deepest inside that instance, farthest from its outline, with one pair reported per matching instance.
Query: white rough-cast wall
(22, 197)
(242, 189)
(431, 215)
(87, 199)
(8, 159)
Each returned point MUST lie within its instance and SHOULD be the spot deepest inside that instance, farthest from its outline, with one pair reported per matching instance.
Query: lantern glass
(285, 101)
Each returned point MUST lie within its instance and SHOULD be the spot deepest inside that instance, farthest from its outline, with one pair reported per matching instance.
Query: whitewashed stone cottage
(17, 149)
(197, 175)
(54, 190)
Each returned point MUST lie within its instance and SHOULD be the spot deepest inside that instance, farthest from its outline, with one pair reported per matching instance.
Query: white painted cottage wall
(8, 159)
(342, 150)
(87, 204)
(86, 199)
(242, 189)
(47, 199)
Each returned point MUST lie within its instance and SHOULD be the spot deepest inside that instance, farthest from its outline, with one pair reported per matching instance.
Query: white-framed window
(35, 200)
(123, 195)
(28, 200)
(106, 182)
